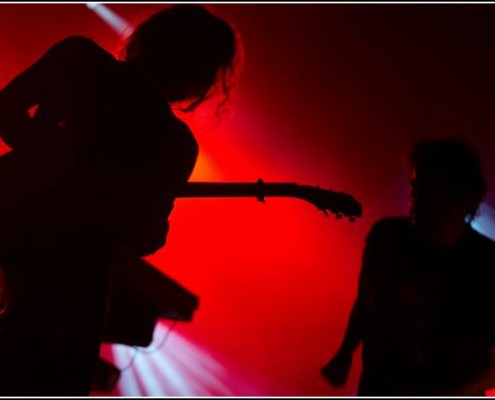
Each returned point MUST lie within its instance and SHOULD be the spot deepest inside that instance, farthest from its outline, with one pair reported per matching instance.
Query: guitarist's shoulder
(389, 227)
(77, 52)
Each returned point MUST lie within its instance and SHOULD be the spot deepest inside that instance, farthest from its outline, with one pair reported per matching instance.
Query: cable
(131, 363)
(162, 342)
(137, 350)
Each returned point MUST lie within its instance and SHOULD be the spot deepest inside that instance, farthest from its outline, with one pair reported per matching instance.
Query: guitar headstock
(341, 204)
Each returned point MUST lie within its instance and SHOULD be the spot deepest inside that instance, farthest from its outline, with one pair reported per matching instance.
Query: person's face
(432, 201)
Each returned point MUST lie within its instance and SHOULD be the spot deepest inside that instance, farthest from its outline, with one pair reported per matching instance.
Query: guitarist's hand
(337, 369)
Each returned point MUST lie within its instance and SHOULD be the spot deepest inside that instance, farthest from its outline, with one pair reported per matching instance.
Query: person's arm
(356, 325)
(337, 369)
(57, 69)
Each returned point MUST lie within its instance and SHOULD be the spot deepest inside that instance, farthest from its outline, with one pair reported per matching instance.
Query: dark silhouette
(97, 157)
(424, 309)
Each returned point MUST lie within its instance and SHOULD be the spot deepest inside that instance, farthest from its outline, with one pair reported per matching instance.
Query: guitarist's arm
(55, 71)
(16, 98)
(337, 369)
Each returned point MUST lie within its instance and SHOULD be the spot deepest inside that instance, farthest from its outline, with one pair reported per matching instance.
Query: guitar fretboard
(213, 189)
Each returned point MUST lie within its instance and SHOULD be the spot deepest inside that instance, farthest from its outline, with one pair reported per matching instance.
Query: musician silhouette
(424, 309)
(97, 157)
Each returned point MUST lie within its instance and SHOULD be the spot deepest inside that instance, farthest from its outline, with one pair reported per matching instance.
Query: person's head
(447, 183)
(184, 51)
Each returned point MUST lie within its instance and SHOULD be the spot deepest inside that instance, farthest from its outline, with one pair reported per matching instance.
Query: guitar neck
(324, 199)
(259, 190)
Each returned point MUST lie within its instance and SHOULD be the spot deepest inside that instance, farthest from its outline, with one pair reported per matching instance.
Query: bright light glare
(484, 223)
(117, 23)
(181, 368)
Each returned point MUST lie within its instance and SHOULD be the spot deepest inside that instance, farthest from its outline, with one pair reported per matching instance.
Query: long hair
(189, 45)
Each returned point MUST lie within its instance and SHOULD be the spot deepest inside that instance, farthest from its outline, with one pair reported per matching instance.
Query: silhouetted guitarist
(424, 309)
(96, 168)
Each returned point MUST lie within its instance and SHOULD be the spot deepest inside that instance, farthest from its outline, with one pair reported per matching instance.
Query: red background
(330, 95)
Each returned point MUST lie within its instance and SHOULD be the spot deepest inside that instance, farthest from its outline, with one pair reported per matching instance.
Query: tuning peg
(338, 216)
